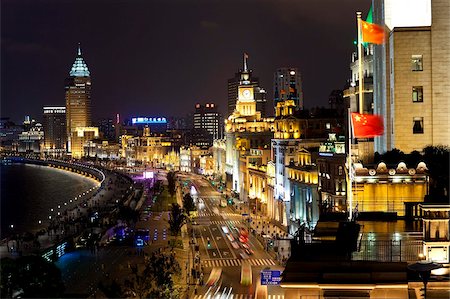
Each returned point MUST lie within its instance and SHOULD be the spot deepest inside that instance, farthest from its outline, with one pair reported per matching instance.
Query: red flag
(283, 91)
(372, 33)
(245, 55)
(291, 89)
(367, 125)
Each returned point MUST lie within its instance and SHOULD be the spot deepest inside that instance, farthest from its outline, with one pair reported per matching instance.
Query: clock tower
(246, 104)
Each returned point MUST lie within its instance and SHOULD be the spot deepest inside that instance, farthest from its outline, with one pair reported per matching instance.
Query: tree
(188, 203)
(30, 276)
(155, 280)
(177, 219)
(171, 183)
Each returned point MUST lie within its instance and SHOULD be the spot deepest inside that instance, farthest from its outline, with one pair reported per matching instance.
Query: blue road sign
(244, 214)
(270, 277)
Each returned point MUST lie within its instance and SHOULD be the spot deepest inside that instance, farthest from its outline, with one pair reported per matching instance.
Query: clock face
(246, 93)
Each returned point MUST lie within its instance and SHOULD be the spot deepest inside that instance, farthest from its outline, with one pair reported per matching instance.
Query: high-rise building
(208, 125)
(107, 128)
(287, 85)
(245, 77)
(411, 74)
(55, 133)
(78, 97)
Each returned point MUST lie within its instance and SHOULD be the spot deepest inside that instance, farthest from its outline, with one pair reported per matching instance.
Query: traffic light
(209, 243)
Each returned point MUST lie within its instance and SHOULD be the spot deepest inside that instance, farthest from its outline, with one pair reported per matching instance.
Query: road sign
(270, 277)
(244, 214)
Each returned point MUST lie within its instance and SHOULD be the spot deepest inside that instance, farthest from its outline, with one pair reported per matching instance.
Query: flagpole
(349, 163)
(360, 64)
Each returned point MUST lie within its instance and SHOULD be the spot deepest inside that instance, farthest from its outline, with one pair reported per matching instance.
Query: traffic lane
(222, 242)
(211, 250)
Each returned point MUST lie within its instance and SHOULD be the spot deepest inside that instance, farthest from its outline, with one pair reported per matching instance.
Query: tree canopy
(30, 276)
(177, 219)
(188, 203)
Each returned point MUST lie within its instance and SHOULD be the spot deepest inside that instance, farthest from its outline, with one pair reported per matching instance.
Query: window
(417, 94)
(418, 125)
(416, 63)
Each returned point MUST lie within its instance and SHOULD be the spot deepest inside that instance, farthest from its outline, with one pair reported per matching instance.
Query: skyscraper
(245, 77)
(78, 97)
(207, 125)
(287, 85)
(55, 133)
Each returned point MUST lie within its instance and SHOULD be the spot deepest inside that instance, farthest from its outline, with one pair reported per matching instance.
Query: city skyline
(134, 65)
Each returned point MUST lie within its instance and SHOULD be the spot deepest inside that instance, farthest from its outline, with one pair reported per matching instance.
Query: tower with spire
(78, 98)
(245, 77)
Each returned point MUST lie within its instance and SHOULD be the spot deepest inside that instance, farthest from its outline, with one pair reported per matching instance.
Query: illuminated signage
(149, 120)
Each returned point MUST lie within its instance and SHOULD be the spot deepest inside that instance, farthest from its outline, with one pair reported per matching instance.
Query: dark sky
(156, 58)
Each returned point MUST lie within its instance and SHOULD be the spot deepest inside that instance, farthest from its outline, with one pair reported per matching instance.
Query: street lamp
(424, 268)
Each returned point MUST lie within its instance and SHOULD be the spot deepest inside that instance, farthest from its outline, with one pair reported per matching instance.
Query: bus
(223, 203)
(246, 273)
(214, 276)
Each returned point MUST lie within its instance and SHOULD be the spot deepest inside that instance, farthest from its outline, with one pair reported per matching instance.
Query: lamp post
(424, 268)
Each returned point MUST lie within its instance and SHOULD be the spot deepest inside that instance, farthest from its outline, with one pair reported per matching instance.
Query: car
(243, 255)
(248, 251)
(235, 245)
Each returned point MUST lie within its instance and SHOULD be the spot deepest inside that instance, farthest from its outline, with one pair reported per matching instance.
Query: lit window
(417, 94)
(418, 125)
(416, 63)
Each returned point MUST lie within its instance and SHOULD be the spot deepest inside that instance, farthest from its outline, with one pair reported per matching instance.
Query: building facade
(78, 98)
(207, 123)
(287, 85)
(411, 75)
(55, 133)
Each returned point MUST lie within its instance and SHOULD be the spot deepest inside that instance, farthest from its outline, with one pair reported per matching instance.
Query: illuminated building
(294, 130)
(148, 149)
(411, 74)
(219, 157)
(171, 161)
(206, 165)
(102, 149)
(287, 85)
(207, 123)
(9, 135)
(436, 233)
(80, 136)
(31, 141)
(107, 128)
(245, 129)
(190, 158)
(245, 77)
(185, 159)
(332, 177)
(304, 196)
(78, 99)
(55, 133)
(383, 189)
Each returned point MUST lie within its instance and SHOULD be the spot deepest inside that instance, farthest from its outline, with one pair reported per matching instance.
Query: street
(217, 232)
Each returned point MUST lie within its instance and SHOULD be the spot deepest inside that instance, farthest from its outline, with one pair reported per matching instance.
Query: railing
(388, 250)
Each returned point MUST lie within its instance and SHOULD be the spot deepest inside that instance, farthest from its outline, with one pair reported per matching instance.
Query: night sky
(158, 58)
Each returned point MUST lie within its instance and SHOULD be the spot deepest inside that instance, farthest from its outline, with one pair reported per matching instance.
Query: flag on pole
(372, 33)
(283, 91)
(367, 125)
(291, 89)
(245, 55)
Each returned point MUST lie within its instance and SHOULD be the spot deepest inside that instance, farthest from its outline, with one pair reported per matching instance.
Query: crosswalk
(222, 222)
(209, 214)
(240, 296)
(237, 262)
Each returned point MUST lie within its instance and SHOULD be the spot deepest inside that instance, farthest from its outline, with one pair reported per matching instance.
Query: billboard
(148, 120)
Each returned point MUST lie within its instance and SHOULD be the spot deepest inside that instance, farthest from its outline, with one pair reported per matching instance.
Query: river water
(28, 192)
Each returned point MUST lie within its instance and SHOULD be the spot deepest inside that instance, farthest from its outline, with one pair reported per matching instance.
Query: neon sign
(148, 120)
